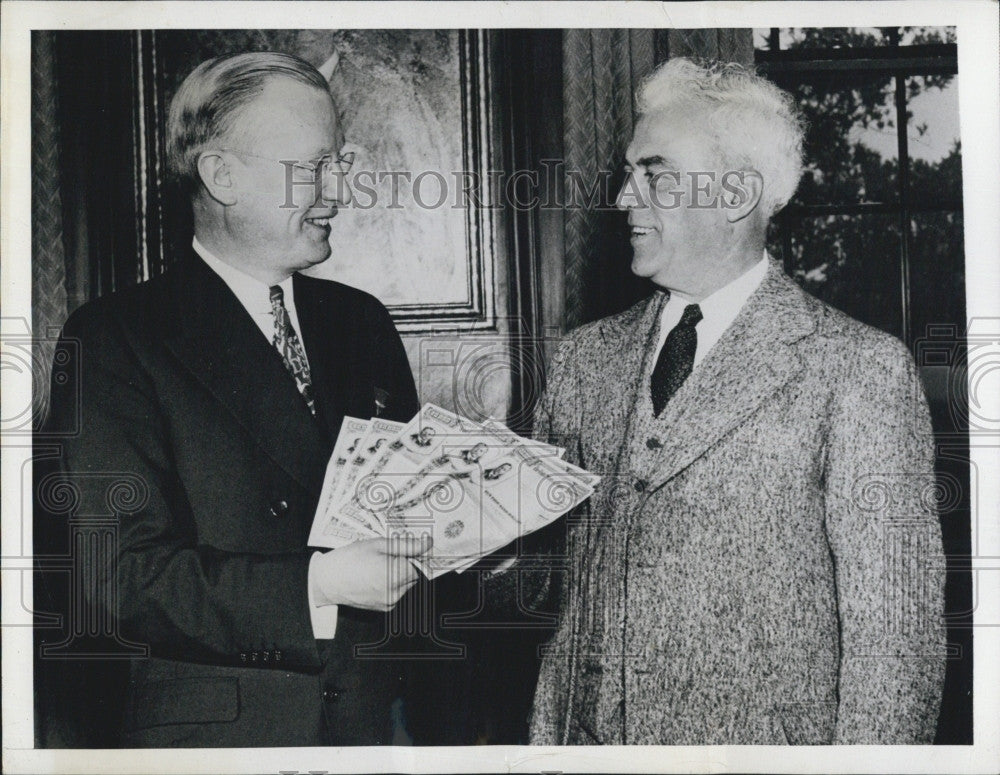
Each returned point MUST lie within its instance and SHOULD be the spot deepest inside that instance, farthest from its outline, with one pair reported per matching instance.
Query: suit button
(653, 443)
(279, 508)
(640, 485)
(331, 695)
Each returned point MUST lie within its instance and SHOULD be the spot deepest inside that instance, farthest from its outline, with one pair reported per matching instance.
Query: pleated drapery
(48, 258)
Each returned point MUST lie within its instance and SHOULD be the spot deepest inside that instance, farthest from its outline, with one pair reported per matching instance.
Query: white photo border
(976, 24)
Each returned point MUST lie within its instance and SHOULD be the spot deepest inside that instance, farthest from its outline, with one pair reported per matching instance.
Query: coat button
(653, 443)
(331, 695)
(279, 508)
(640, 485)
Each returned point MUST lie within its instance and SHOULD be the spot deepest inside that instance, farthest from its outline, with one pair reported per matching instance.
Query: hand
(371, 574)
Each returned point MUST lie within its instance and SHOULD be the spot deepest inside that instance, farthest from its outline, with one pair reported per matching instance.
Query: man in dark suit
(216, 391)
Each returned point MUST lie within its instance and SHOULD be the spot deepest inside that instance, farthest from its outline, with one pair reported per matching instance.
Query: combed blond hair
(204, 109)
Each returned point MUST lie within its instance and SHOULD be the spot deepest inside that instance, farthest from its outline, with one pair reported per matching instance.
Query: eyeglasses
(308, 172)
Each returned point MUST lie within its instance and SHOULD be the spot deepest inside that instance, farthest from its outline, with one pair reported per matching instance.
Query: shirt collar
(251, 292)
(727, 301)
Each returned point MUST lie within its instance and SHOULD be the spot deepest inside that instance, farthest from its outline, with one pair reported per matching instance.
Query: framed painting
(417, 110)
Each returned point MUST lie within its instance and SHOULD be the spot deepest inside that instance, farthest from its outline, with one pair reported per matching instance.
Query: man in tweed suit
(758, 564)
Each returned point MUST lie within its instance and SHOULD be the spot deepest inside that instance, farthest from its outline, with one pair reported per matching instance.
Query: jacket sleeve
(153, 580)
(885, 539)
(556, 418)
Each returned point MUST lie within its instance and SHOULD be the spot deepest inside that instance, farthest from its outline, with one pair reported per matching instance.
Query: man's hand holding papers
(472, 488)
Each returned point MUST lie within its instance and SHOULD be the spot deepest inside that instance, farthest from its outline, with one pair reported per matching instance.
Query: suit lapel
(619, 372)
(333, 344)
(219, 343)
(752, 360)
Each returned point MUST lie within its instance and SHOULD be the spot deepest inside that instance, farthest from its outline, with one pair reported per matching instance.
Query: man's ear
(741, 192)
(216, 176)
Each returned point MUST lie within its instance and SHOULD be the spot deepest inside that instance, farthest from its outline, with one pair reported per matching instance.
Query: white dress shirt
(718, 310)
(256, 300)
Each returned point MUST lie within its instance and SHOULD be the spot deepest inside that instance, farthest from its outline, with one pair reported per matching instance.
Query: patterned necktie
(676, 359)
(288, 345)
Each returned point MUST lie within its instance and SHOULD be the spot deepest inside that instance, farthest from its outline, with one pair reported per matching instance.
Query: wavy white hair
(752, 123)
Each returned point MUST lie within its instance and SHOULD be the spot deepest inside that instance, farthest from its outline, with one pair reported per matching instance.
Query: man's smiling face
(673, 242)
(283, 226)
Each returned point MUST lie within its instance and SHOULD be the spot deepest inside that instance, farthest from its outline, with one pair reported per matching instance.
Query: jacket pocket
(184, 701)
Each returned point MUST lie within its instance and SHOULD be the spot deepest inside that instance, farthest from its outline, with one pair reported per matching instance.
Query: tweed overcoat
(760, 564)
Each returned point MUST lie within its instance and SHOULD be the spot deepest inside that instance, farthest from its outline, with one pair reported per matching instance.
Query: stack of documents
(472, 487)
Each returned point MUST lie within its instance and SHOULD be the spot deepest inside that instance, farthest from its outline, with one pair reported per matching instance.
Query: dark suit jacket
(193, 436)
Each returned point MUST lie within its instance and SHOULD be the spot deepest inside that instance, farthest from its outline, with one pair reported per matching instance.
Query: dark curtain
(84, 229)
(83, 245)
(48, 260)
(601, 71)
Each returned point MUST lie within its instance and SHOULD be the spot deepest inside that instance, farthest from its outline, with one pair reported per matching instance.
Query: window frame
(899, 62)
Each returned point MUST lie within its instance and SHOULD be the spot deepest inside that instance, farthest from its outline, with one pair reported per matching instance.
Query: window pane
(914, 36)
(849, 261)
(851, 37)
(933, 140)
(937, 299)
(850, 148)
(833, 37)
(762, 39)
(937, 271)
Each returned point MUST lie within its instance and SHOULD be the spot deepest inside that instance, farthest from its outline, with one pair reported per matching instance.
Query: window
(876, 226)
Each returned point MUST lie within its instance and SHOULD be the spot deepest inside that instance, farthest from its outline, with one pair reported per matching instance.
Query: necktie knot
(691, 317)
(277, 296)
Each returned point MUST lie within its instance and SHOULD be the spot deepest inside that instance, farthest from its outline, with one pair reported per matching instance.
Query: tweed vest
(598, 696)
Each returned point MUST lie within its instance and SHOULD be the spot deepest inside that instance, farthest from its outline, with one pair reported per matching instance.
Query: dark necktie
(288, 345)
(676, 359)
